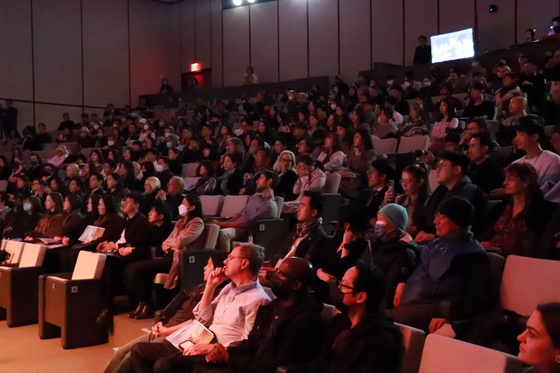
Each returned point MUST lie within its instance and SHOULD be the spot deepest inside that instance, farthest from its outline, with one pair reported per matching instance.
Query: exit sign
(196, 67)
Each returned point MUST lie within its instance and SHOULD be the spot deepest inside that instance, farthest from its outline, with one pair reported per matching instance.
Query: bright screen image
(452, 46)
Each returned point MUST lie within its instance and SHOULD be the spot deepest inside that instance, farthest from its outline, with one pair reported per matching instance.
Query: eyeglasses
(285, 160)
(282, 273)
(341, 285)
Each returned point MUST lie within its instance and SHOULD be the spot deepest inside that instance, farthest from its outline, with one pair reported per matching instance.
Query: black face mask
(282, 289)
(337, 298)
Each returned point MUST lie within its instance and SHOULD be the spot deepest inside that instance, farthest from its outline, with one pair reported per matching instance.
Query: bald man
(286, 331)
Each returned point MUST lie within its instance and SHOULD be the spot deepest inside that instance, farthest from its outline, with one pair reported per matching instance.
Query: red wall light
(196, 67)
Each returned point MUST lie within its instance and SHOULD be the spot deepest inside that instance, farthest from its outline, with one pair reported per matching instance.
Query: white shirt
(547, 165)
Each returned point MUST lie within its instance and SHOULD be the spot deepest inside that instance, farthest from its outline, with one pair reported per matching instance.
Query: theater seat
(69, 303)
(19, 289)
(413, 341)
(411, 144)
(212, 205)
(526, 282)
(445, 355)
(14, 250)
(333, 183)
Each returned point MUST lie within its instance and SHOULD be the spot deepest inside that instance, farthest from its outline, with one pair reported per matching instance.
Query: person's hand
(398, 294)
(198, 350)
(217, 222)
(57, 238)
(66, 241)
(159, 330)
(446, 330)
(429, 157)
(436, 324)
(102, 247)
(124, 251)
(216, 277)
(323, 276)
(28, 238)
(423, 236)
(219, 354)
(498, 191)
(357, 152)
(161, 195)
(242, 191)
(246, 177)
(389, 195)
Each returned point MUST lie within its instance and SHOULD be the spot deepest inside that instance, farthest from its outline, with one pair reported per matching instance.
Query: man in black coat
(286, 331)
(362, 338)
(453, 181)
(308, 239)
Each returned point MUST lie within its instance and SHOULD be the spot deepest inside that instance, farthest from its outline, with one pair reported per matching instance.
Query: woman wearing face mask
(23, 217)
(390, 251)
(50, 225)
(186, 236)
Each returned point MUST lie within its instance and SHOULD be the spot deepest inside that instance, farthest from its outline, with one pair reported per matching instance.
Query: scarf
(303, 228)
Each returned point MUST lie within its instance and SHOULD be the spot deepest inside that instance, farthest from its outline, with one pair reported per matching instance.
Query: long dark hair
(111, 205)
(194, 200)
(527, 174)
(75, 202)
(120, 185)
(94, 214)
(420, 172)
(57, 199)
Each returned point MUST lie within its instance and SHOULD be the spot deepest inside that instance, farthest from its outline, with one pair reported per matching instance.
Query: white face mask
(406, 85)
(390, 82)
(426, 84)
(333, 106)
(110, 143)
(146, 127)
(183, 210)
(27, 206)
(96, 126)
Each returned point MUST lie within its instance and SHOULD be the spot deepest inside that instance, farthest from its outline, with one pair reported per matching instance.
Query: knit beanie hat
(396, 214)
(459, 210)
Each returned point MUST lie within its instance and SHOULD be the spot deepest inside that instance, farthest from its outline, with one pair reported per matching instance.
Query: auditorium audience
(310, 177)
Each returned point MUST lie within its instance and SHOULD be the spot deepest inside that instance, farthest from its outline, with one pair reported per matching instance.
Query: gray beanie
(396, 214)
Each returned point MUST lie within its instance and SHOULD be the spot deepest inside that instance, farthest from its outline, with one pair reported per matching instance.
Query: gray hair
(254, 254)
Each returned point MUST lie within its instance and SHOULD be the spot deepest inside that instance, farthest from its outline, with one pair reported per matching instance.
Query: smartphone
(392, 184)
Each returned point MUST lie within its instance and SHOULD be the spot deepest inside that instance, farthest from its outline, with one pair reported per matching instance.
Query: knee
(163, 365)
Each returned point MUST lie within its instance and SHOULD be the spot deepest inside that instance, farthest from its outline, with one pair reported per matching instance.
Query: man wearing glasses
(230, 316)
(453, 181)
(361, 338)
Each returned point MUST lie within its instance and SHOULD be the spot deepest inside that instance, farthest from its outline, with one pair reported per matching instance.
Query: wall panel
(58, 75)
(293, 39)
(203, 18)
(236, 45)
(496, 30)
(387, 31)
(264, 41)
(448, 11)
(188, 39)
(51, 115)
(216, 43)
(420, 19)
(535, 17)
(15, 44)
(154, 47)
(323, 38)
(105, 53)
(355, 43)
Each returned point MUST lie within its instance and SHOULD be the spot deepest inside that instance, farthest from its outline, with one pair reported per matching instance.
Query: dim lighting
(237, 2)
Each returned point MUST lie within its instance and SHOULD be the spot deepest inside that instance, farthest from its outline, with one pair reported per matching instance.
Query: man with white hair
(517, 108)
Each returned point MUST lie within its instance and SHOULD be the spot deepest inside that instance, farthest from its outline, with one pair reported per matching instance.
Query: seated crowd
(401, 252)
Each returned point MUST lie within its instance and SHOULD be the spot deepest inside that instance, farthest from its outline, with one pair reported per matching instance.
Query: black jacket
(397, 261)
(136, 233)
(375, 345)
(280, 336)
(464, 188)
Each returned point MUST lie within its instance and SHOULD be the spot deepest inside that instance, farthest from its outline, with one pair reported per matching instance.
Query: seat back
(410, 144)
(32, 256)
(190, 181)
(211, 205)
(189, 169)
(413, 341)
(385, 146)
(526, 282)
(328, 312)
(442, 355)
(211, 232)
(15, 249)
(497, 268)
(232, 205)
(432, 179)
(332, 183)
(192, 268)
(279, 203)
(89, 266)
(3, 185)
(3, 244)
